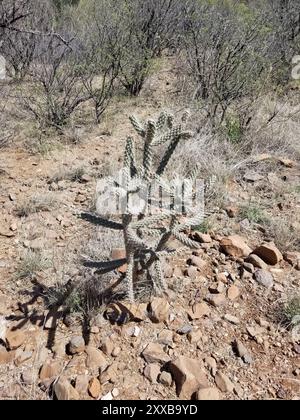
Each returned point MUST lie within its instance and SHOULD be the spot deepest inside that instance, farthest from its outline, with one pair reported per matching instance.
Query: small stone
(232, 319)
(199, 310)
(235, 246)
(188, 376)
(253, 176)
(94, 388)
(269, 253)
(240, 349)
(64, 391)
(186, 329)
(166, 337)
(95, 359)
(159, 310)
(208, 394)
(212, 364)
(203, 238)
(115, 392)
(192, 272)
(154, 353)
(28, 377)
(116, 351)
(197, 262)
(76, 345)
(223, 277)
(15, 339)
(257, 262)
(133, 331)
(217, 300)
(223, 382)
(249, 267)
(165, 378)
(107, 397)
(107, 347)
(151, 372)
(264, 278)
(194, 336)
(233, 292)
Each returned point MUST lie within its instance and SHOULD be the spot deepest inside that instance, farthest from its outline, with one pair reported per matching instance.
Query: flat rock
(269, 253)
(264, 278)
(154, 353)
(188, 376)
(235, 246)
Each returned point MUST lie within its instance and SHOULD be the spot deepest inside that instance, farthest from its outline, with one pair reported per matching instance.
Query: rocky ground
(220, 333)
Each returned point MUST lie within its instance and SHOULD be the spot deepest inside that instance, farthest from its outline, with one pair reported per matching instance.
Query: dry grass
(36, 204)
(284, 234)
(31, 263)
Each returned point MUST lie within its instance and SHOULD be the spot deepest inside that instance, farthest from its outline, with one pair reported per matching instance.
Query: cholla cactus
(146, 234)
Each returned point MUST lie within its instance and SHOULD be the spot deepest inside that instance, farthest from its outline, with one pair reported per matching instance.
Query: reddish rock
(94, 388)
(188, 376)
(269, 253)
(159, 310)
(235, 246)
